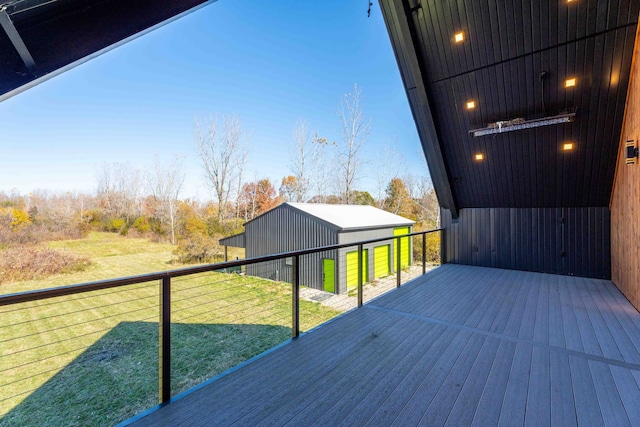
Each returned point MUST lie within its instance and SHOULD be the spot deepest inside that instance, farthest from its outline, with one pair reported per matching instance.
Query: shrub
(432, 244)
(20, 219)
(141, 224)
(29, 262)
(198, 249)
(116, 225)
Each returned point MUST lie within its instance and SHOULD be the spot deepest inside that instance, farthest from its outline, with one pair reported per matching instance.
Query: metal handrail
(164, 390)
(39, 294)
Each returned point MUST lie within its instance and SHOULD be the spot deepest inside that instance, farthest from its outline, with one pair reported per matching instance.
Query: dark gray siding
(572, 241)
(237, 241)
(285, 229)
(357, 236)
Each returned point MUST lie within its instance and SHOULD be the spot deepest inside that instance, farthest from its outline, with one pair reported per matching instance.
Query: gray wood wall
(571, 241)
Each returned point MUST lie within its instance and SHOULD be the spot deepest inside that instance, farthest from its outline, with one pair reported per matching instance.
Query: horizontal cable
(76, 324)
(78, 311)
(77, 297)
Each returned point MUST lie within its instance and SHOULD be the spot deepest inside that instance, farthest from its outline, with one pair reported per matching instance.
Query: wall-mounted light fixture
(479, 157)
(567, 146)
(570, 82)
(631, 152)
(471, 105)
(458, 37)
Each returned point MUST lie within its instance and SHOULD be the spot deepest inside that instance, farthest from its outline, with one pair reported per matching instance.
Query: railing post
(295, 298)
(360, 278)
(398, 259)
(424, 253)
(443, 246)
(164, 359)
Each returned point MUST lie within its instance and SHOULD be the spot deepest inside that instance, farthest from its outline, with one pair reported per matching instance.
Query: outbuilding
(298, 226)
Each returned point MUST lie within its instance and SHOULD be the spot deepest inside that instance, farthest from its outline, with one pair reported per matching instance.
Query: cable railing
(104, 349)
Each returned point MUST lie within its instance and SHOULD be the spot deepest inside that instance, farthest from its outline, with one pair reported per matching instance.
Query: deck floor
(458, 346)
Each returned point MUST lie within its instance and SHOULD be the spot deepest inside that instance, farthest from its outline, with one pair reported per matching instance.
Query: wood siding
(571, 241)
(625, 201)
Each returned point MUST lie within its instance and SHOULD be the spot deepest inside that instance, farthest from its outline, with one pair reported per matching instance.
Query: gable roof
(351, 217)
(512, 62)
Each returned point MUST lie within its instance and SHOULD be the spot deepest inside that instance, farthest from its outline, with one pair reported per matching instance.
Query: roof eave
(400, 33)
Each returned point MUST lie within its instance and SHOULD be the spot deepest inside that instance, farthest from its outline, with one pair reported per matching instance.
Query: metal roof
(511, 64)
(351, 217)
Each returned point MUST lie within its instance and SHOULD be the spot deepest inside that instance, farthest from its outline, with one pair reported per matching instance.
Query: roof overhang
(518, 104)
(42, 38)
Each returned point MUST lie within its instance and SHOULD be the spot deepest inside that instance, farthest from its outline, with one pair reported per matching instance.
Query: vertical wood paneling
(570, 241)
(507, 45)
(625, 201)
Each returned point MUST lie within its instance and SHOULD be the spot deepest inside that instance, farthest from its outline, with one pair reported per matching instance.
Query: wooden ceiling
(512, 62)
(41, 38)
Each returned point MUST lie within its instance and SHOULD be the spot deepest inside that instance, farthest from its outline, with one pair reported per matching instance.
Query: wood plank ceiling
(505, 46)
(57, 34)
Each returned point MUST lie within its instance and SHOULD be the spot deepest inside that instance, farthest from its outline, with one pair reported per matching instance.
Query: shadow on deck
(458, 346)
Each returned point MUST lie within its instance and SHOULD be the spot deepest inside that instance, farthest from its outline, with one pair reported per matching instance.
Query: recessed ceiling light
(471, 105)
(479, 156)
(567, 146)
(458, 37)
(570, 82)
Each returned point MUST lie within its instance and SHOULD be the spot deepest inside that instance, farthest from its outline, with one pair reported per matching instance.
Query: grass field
(111, 256)
(92, 359)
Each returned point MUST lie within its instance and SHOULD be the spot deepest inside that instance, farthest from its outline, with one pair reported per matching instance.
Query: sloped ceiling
(41, 38)
(513, 61)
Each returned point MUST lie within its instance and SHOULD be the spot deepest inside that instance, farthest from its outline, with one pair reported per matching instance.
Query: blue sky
(270, 63)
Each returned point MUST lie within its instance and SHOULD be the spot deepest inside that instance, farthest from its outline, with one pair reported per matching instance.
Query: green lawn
(111, 256)
(92, 359)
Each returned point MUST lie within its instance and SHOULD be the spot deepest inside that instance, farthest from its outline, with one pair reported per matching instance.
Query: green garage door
(381, 261)
(405, 254)
(352, 268)
(328, 275)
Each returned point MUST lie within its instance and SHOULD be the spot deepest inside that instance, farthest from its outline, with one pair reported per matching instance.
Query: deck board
(538, 410)
(489, 405)
(395, 401)
(613, 411)
(587, 406)
(459, 346)
(515, 397)
(626, 388)
(473, 385)
(561, 392)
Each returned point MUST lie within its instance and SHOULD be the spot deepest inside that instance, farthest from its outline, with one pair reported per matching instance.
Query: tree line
(148, 202)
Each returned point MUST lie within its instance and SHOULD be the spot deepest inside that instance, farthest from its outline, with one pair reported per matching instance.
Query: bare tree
(355, 129)
(300, 156)
(119, 187)
(222, 156)
(425, 198)
(165, 183)
(387, 166)
(242, 160)
(319, 169)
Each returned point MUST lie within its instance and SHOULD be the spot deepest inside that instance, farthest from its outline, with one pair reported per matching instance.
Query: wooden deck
(459, 346)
